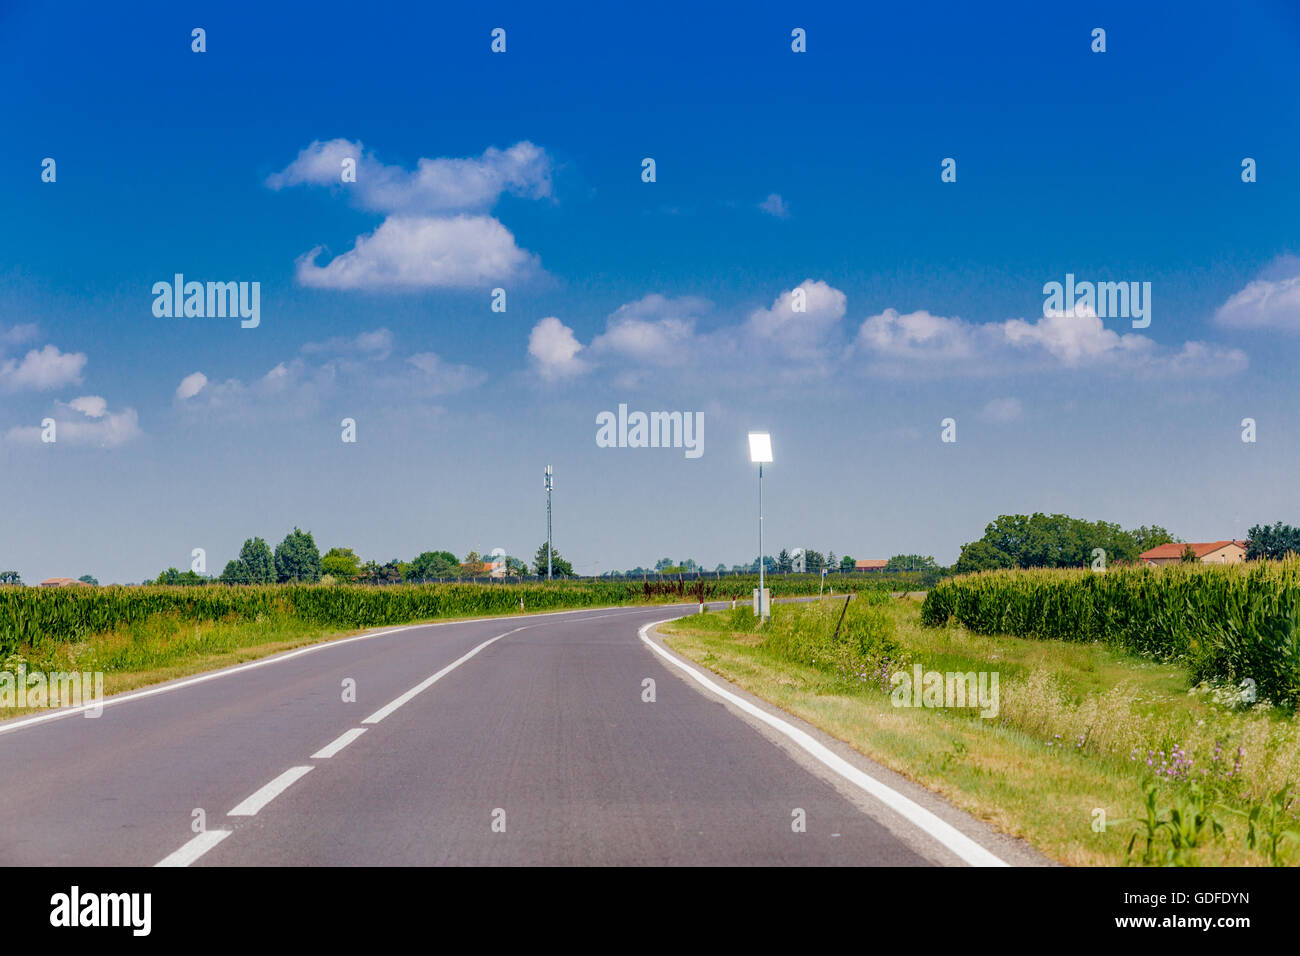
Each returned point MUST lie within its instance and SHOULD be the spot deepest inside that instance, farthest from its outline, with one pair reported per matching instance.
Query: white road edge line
(330, 749)
(428, 682)
(195, 848)
(956, 841)
(7, 726)
(250, 806)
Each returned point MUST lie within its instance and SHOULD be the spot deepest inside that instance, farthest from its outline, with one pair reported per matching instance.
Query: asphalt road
(537, 749)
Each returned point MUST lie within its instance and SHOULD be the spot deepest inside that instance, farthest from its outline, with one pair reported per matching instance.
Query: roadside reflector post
(836, 635)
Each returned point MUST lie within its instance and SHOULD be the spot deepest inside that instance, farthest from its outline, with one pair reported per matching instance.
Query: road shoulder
(1010, 850)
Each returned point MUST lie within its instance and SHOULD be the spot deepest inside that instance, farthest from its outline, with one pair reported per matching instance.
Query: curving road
(519, 740)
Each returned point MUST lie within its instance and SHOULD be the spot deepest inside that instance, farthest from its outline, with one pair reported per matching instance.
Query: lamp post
(760, 452)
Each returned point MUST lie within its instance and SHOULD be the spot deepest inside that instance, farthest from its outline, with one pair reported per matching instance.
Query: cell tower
(549, 549)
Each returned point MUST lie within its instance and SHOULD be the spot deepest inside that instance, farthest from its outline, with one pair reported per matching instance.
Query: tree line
(1055, 541)
(1012, 541)
(297, 559)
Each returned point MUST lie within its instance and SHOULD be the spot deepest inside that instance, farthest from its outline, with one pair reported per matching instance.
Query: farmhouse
(871, 564)
(61, 582)
(1209, 552)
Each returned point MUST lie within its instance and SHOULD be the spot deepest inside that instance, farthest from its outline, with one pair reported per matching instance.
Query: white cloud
(1001, 411)
(1263, 303)
(92, 406)
(191, 385)
(774, 205)
(799, 335)
(917, 336)
(657, 332)
(436, 234)
(84, 421)
(435, 186)
(653, 333)
(928, 345)
(42, 369)
(1200, 359)
(17, 334)
(554, 350)
(1075, 338)
(654, 330)
(421, 252)
(351, 367)
(289, 389)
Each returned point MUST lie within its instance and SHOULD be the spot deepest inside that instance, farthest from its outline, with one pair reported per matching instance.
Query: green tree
(258, 562)
(1189, 555)
(1145, 538)
(296, 558)
(173, 576)
(236, 572)
(88, 579)
(515, 567)
(981, 556)
(911, 562)
(341, 563)
(784, 562)
(1055, 541)
(472, 566)
(815, 561)
(10, 577)
(433, 564)
(1272, 543)
(559, 567)
(847, 563)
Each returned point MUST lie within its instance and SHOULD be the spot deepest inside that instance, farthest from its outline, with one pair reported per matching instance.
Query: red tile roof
(871, 563)
(1175, 549)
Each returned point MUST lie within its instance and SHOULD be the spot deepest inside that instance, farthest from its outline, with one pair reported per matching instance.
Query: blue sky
(522, 171)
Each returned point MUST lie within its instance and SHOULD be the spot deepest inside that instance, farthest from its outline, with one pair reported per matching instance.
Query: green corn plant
(1149, 828)
(1190, 823)
(1267, 828)
(1228, 622)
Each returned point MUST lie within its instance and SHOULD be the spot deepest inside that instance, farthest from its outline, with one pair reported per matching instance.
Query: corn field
(1227, 623)
(33, 616)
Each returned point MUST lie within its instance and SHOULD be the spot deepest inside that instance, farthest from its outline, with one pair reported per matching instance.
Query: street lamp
(760, 452)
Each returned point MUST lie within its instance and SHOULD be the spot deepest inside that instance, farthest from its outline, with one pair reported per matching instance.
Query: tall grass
(852, 641)
(1227, 623)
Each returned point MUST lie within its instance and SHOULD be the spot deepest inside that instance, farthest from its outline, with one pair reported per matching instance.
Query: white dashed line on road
(250, 806)
(330, 749)
(195, 848)
(428, 682)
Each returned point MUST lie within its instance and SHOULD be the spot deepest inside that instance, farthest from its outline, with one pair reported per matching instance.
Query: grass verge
(1091, 749)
